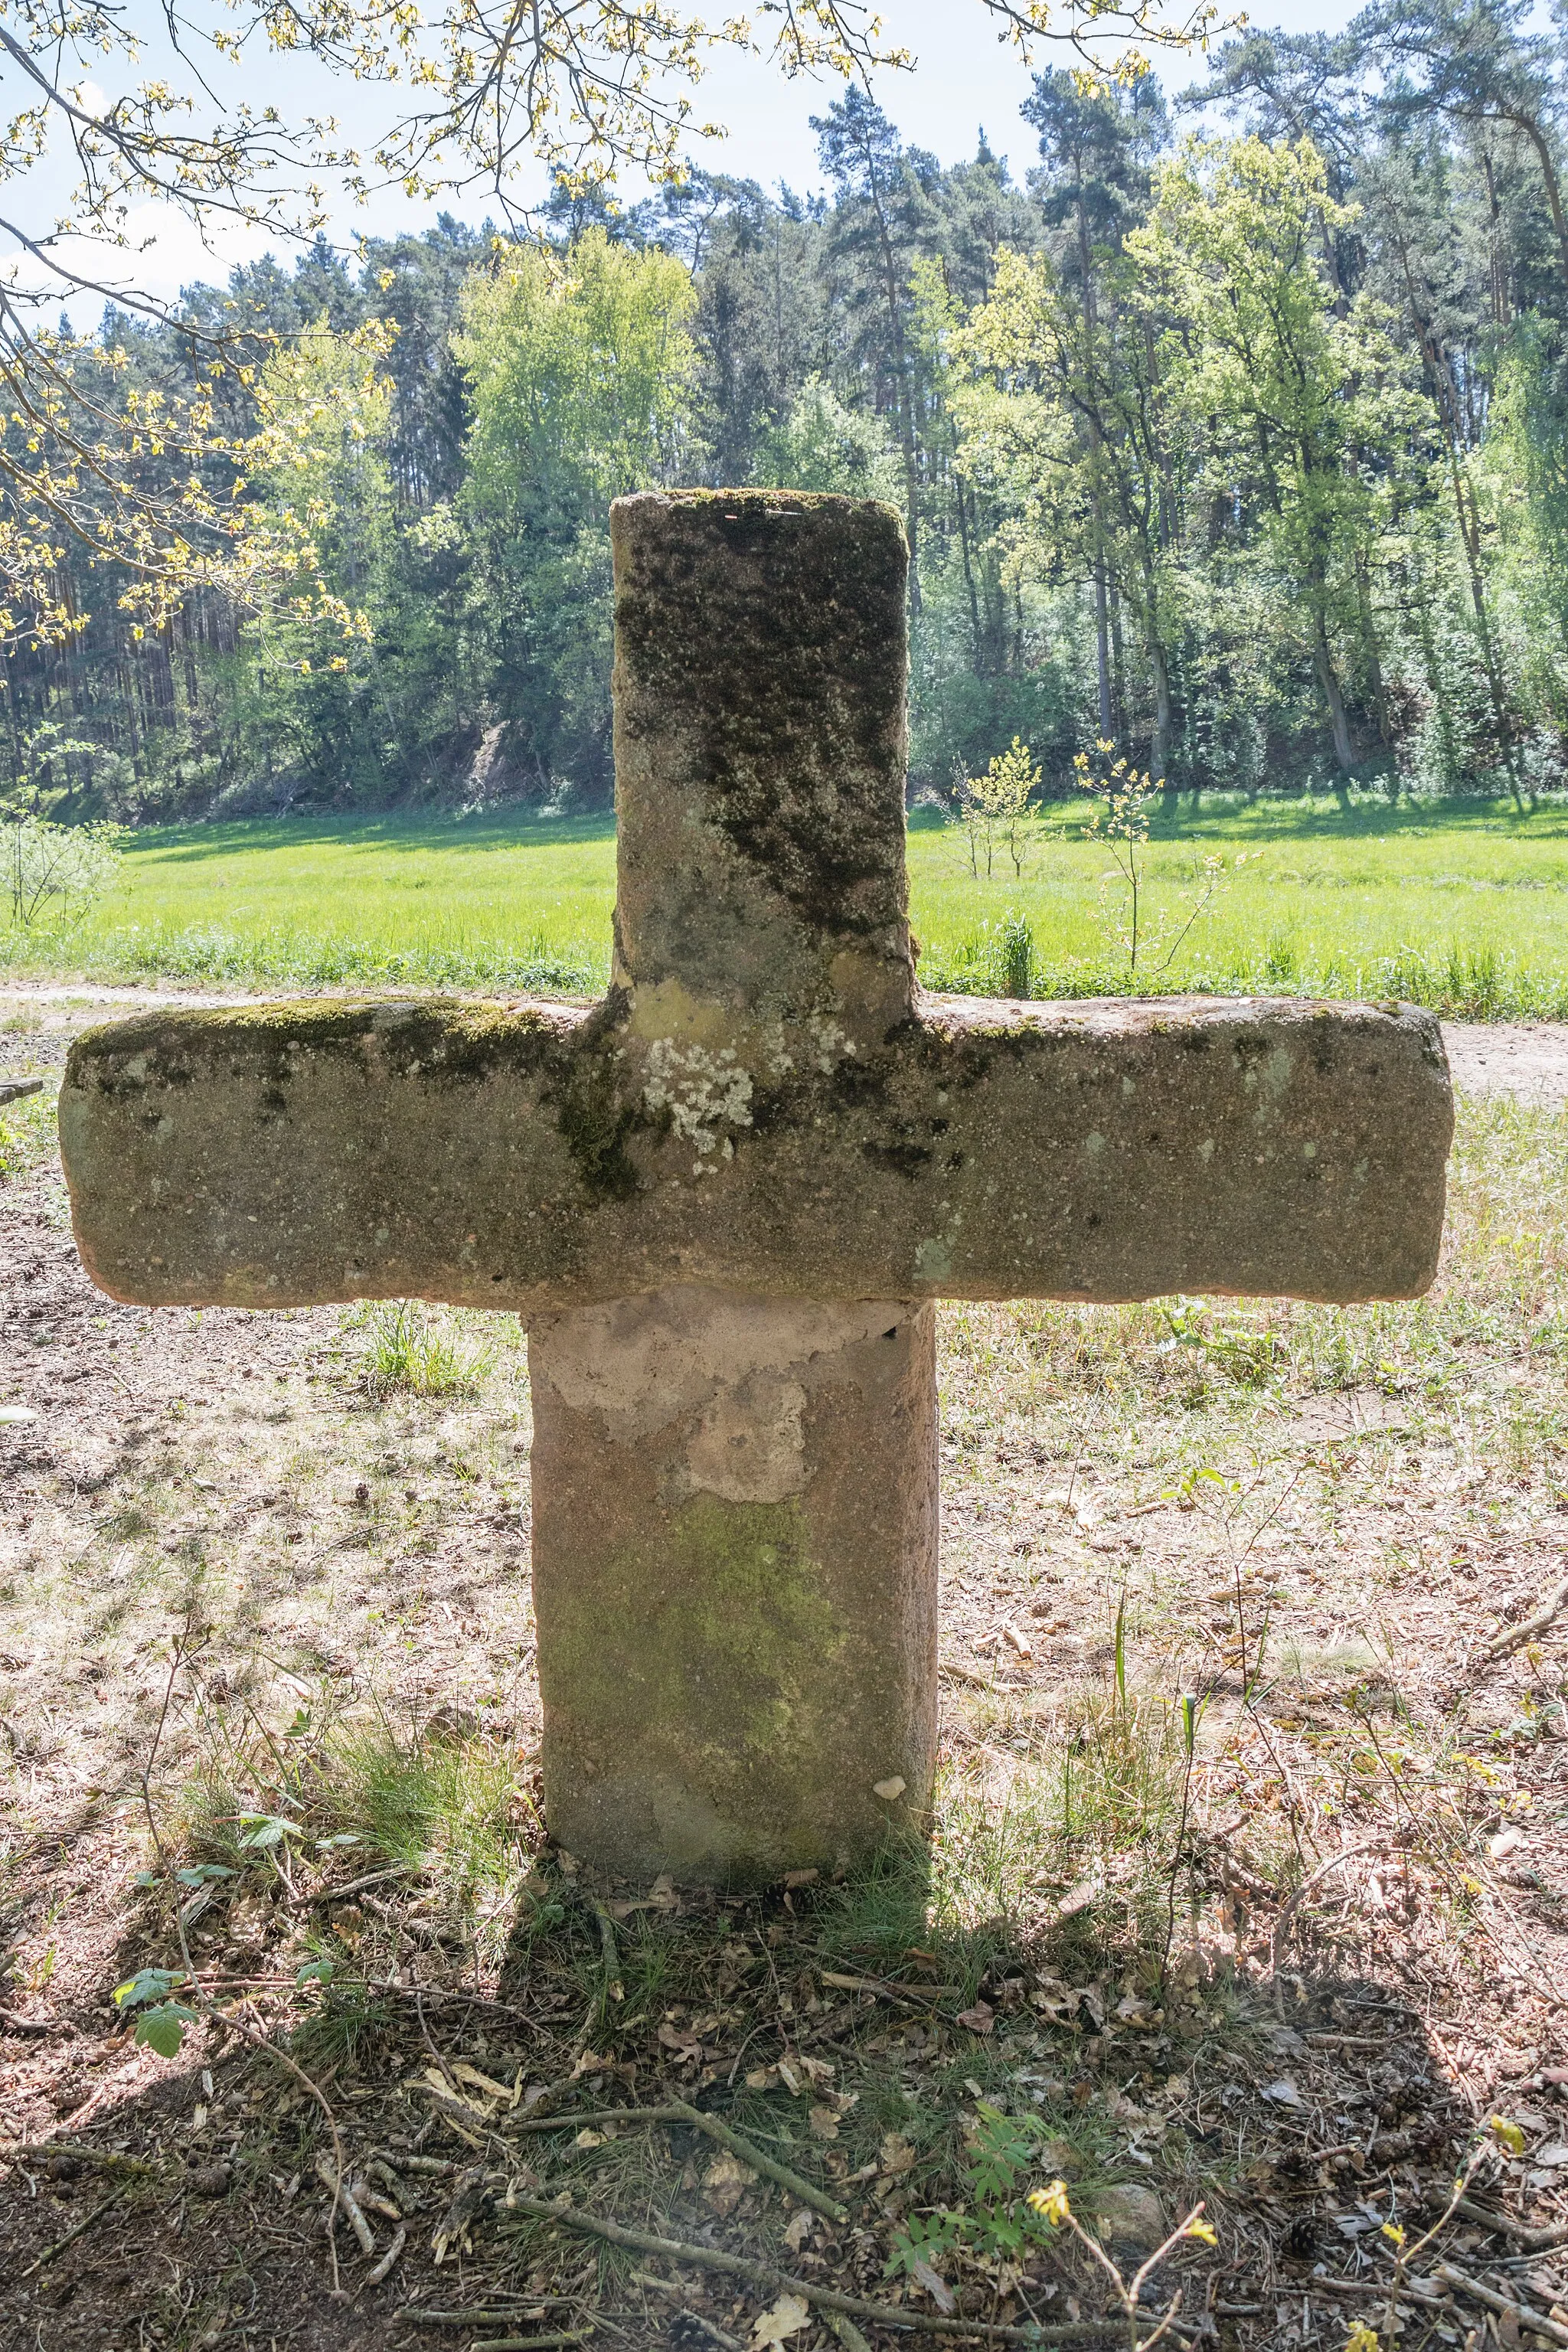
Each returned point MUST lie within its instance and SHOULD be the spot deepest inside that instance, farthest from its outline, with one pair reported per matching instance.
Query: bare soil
(1295, 1981)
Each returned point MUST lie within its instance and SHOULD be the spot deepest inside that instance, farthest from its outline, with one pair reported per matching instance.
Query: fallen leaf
(478, 2082)
(1283, 2093)
(788, 2315)
(824, 2123)
(725, 2182)
(938, 2289)
(980, 2019)
(1506, 1842)
(586, 2138)
(888, 1791)
(895, 2156)
(1078, 1898)
(799, 2228)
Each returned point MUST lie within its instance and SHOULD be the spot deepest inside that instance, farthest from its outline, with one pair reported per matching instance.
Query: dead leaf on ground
(938, 2289)
(725, 2182)
(786, 2317)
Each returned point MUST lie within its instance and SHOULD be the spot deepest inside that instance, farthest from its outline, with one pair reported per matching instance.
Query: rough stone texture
(692, 1189)
(759, 746)
(734, 1578)
(525, 1157)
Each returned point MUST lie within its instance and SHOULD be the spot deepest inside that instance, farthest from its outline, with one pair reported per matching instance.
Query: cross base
(734, 1580)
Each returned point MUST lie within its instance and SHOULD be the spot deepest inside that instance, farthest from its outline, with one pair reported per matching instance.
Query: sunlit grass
(408, 1351)
(1463, 906)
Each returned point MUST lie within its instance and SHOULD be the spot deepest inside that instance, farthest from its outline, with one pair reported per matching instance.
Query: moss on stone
(723, 1622)
(774, 621)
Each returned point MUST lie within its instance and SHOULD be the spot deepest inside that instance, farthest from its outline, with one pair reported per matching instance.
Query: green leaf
(269, 1830)
(200, 1872)
(147, 1984)
(164, 2029)
(316, 1972)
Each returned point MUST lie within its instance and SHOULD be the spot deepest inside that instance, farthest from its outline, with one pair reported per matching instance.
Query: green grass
(408, 1350)
(1460, 904)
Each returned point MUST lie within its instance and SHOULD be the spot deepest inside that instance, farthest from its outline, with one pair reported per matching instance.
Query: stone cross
(724, 1198)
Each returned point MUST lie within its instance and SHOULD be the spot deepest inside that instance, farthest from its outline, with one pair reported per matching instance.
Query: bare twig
(1129, 2290)
(417, 2314)
(768, 2166)
(1532, 2241)
(12, 2151)
(1406, 2257)
(1345, 1853)
(531, 2343)
(1537, 2322)
(425, 2037)
(399, 2240)
(331, 2177)
(1516, 1636)
(370, 1878)
(81, 2229)
(182, 1645)
(567, 2216)
(676, 2111)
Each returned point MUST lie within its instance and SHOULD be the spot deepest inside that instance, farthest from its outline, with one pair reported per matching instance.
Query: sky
(964, 79)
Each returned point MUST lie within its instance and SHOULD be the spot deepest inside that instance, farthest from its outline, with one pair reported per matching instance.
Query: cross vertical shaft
(735, 1496)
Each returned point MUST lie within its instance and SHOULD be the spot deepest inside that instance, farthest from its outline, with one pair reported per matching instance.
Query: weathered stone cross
(724, 1197)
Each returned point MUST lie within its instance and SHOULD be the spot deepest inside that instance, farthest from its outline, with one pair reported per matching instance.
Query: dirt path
(1527, 1058)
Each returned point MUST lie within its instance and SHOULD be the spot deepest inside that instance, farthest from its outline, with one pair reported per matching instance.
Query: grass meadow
(1460, 904)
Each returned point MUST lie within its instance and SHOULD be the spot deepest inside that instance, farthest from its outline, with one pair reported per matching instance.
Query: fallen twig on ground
(389, 2260)
(1504, 2305)
(853, 2307)
(81, 2230)
(414, 2315)
(680, 2110)
(1532, 2240)
(1514, 1637)
(331, 2177)
(40, 2151)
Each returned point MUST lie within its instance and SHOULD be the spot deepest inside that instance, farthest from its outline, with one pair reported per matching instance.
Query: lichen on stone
(702, 1094)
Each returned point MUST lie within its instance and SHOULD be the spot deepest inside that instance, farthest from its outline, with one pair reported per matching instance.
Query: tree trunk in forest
(1327, 679)
(1160, 744)
(1102, 651)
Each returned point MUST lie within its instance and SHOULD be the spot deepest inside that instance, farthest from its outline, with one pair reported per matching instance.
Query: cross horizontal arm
(538, 1158)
